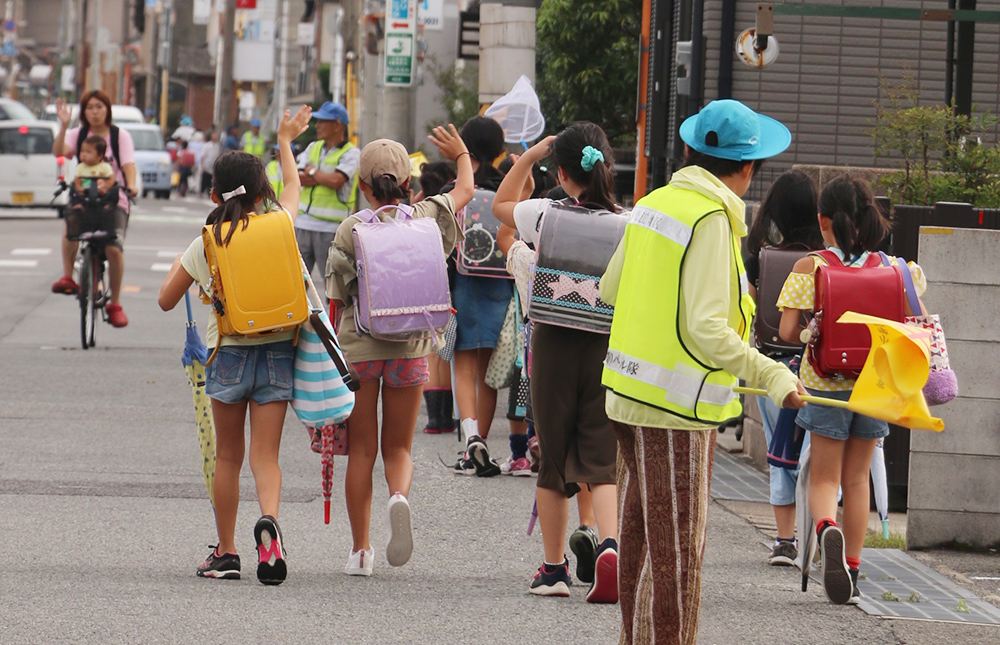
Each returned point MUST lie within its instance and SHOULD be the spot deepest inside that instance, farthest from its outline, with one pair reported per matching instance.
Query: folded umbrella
(193, 358)
(880, 486)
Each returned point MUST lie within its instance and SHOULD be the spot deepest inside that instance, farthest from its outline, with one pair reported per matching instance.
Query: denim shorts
(839, 423)
(262, 373)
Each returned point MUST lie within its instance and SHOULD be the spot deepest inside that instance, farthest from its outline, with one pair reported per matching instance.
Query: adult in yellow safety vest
(678, 345)
(253, 140)
(273, 171)
(328, 170)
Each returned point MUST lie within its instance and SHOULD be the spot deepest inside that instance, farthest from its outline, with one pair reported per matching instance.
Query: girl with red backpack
(853, 227)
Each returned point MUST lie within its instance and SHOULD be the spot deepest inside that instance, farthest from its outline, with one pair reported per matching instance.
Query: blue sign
(8, 49)
(9, 25)
(400, 10)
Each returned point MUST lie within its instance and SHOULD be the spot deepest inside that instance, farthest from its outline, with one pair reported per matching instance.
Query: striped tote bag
(321, 396)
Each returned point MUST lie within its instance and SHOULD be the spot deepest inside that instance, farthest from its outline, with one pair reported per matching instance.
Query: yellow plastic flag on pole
(891, 383)
(417, 159)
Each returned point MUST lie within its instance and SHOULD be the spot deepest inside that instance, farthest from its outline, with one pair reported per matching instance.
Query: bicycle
(94, 227)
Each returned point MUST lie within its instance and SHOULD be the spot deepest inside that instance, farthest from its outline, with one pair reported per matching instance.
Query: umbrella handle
(808, 398)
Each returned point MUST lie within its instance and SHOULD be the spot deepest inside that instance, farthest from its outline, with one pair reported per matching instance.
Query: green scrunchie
(591, 155)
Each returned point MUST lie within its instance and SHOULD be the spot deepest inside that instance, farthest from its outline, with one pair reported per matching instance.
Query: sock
(853, 563)
(446, 409)
(823, 523)
(432, 398)
(549, 565)
(779, 540)
(518, 446)
(470, 428)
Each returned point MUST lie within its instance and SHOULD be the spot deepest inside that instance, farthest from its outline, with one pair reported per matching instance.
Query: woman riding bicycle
(95, 119)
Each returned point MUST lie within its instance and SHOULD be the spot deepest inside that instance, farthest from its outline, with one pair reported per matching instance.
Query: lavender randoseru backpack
(402, 278)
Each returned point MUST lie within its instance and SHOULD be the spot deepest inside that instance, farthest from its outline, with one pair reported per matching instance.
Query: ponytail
(385, 189)
(858, 223)
(583, 152)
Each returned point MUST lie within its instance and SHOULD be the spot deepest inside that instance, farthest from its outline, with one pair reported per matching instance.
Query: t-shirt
(799, 292)
(528, 218)
(342, 282)
(208, 156)
(348, 165)
(100, 170)
(196, 265)
(126, 151)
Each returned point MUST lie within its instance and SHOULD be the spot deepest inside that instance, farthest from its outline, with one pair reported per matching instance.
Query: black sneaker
(552, 581)
(855, 594)
(480, 456)
(225, 566)
(271, 569)
(605, 587)
(464, 465)
(783, 554)
(583, 544)
(834, 573)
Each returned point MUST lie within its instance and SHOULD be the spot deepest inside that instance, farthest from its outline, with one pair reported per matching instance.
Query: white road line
(29, 264)
(175, 209)
(168, 254)
(167, 219)
(31, 252)
(161, 266)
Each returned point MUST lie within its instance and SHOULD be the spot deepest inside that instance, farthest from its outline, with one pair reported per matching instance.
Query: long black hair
(789, 209)
(484, 138)
(858, 223)
(434, 176)
(232, 170)
(567, 152)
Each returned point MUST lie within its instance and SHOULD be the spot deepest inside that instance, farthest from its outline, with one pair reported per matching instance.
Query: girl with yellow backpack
(251, 370)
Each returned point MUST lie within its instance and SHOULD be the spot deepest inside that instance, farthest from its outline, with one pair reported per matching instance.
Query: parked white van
(119, 114)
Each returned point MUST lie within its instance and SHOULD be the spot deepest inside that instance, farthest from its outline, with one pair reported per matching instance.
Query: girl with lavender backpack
(396, 368)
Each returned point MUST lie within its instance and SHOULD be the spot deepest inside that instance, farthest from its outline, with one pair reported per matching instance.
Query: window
(25, 141)
(146, 139)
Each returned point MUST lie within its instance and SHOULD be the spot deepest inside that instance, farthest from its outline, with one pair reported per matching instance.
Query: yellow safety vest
(649, 360)
(322, 202)
(253, 145)
(274, 176)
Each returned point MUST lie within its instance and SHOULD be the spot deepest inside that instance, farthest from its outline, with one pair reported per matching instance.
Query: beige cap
(382, 157)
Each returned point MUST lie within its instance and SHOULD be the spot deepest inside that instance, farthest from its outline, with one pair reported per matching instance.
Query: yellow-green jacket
(682, 311)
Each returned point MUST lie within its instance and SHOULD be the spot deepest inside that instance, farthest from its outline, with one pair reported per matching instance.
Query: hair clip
(240, 190)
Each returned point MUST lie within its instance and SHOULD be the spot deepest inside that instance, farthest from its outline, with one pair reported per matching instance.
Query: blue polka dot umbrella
(194, 357)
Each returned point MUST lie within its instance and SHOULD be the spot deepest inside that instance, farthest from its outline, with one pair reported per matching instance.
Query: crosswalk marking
(168, 254)
(30, 264)
(31, 252)
(161, 266)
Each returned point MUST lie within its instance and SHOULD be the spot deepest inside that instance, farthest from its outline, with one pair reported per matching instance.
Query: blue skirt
(481, 304)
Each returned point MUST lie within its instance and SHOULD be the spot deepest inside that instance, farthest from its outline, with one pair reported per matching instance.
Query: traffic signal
(139, 16)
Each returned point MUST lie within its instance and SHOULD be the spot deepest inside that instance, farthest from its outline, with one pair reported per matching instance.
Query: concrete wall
(955, 475)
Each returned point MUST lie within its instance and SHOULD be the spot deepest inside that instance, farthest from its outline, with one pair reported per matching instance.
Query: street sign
(8, 48)
(432, 14)
(400, 43)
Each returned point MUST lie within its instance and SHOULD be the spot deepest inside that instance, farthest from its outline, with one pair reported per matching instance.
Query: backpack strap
(403, 212)
(115, 149)
(829, 257)
(908, 286)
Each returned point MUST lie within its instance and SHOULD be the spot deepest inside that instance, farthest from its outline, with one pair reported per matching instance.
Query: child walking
(397, 370)
(786, 219)
(248, 374)
(842, 441)
(577, 443)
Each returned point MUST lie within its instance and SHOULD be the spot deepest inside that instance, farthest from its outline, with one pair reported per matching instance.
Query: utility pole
(281, 75)
(165, 56)
(95, 50)
(224, 70)
(123, 81)
(507, 31)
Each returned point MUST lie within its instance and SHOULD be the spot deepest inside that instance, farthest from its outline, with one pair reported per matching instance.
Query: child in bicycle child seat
(92, 169)
(786, 219)
(578, 446)
(397, 370)
(842, 441)
(248, 374)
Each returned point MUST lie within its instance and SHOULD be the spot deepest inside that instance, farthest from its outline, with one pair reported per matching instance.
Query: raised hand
(448, 141)
(63, 111)
(292, 126)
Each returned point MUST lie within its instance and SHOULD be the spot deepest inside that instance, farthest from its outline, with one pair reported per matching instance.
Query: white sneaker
(400, 546)
(360, 563)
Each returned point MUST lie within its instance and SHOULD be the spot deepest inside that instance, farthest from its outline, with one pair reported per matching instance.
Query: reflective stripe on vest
(649, 357)
(253, 145)
(322, 202)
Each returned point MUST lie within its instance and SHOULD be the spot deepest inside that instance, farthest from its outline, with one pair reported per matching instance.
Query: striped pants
(663, 498)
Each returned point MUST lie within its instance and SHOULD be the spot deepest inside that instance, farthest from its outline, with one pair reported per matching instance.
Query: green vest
(648, 357)
(253, 145)
(322, 202)
(274, 176)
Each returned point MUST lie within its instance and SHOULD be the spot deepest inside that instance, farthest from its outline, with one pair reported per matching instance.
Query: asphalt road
(106, 515)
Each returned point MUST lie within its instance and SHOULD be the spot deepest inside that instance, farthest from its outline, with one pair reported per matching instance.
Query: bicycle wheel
(88, 292)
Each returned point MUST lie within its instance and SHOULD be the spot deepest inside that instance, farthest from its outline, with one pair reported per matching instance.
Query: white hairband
(240, 190)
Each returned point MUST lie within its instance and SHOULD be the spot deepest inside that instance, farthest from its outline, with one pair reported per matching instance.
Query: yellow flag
(417, 159)
(890, 386)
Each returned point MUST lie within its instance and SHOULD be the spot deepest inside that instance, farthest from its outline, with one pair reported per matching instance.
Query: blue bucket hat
(255, 123)
(743, 135)
(331, 111)
(186, 120)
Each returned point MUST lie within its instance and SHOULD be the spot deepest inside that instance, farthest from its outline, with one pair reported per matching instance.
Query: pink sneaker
(519, 467)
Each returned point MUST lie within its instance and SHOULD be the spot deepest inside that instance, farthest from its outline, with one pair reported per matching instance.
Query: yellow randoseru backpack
(257, 287)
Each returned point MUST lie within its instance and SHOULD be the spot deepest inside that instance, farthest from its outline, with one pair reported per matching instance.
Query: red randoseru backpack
(839, 350)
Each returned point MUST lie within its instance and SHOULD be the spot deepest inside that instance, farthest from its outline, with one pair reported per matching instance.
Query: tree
(588, 64)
